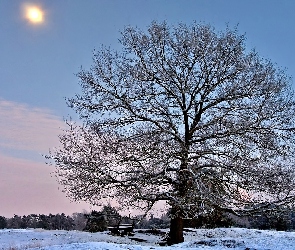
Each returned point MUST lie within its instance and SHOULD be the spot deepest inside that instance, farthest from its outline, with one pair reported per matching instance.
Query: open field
(220, 238)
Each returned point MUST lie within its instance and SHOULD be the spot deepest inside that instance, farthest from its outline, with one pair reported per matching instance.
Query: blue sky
(38, 65)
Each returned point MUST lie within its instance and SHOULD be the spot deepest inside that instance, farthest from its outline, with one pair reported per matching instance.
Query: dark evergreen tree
(14, 222)
(3, 222)
(43, 222)
(96, 222)
(112, 216)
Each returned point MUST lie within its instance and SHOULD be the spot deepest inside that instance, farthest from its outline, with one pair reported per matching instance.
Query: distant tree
(152, 222)
(14, 222)
(156, 223)
(79, 220)
(141, 221)
(212, 219)
(111, 215)
(99, 221)
(33, 219)
(279, 219)
(96, 222)
(29, 221)
(25, 221)
(43, 221)
(3, 222)
(68, 223)
(186, 115)
(56, 221)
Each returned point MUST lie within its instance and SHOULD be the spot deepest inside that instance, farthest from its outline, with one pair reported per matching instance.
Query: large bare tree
(183, 114)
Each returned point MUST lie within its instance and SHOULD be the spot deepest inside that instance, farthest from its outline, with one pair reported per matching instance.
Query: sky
(39, 60)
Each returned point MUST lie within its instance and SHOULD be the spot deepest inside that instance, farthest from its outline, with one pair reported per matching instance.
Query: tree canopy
(183, 114)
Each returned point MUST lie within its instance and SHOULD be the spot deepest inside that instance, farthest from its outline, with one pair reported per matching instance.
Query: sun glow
(34, 14)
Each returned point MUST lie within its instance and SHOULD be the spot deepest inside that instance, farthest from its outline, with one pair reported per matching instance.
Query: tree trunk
(176, 231)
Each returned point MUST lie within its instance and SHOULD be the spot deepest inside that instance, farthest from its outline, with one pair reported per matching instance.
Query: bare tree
(183, 114)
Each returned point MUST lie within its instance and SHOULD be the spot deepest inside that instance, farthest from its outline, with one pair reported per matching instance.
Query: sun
(34, 14)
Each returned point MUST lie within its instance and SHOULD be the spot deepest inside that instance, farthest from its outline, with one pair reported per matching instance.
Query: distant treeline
(76, 221)
(280, 220)
(50, 222)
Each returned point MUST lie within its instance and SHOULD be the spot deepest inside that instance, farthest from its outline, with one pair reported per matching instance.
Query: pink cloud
(28, 128)
(27, 187)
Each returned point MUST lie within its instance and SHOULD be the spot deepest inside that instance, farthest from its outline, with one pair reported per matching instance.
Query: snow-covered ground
(219, 238)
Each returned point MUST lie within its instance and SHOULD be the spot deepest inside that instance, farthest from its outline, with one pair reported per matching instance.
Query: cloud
(27, 187)
(28, 128)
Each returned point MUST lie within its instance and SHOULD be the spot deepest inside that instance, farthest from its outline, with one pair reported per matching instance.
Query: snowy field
(220, 238)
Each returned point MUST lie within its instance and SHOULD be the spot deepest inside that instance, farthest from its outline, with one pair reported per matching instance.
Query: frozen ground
(195, 239)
